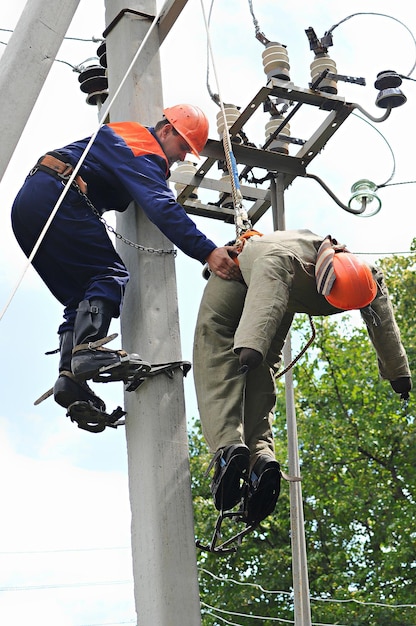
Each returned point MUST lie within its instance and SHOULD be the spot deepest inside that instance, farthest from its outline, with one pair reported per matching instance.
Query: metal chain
(118, 235)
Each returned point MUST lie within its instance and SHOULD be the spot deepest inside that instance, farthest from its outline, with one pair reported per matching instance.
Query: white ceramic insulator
(278, 145)
(320, 64)
(231, 114)
(186, 167)
(276, 61)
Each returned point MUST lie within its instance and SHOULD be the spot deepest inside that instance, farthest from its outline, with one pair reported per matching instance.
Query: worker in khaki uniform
(239, 337)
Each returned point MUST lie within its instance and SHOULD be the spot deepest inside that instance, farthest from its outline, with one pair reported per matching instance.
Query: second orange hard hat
(354, 286)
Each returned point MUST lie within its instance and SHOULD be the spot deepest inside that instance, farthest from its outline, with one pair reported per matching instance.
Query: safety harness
(52, 164)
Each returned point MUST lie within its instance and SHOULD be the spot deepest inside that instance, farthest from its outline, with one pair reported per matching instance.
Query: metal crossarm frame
(290, 166)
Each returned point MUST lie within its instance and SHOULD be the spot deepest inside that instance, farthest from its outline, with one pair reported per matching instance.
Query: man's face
(174, 146)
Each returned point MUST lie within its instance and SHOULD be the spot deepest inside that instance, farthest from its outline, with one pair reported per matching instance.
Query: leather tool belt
(51, 163)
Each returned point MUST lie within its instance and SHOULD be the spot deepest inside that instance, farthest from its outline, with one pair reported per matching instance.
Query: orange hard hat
(354, 286)
(191, 123)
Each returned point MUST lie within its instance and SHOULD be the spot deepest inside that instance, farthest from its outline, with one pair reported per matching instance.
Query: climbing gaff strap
(224, 546)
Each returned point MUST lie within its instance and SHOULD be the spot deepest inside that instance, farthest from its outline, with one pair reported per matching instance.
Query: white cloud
(65, 533)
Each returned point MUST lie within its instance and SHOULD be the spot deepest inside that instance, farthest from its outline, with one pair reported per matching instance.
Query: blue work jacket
(126, 163)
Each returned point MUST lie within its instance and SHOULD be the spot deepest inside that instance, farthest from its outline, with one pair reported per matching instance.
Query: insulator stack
(321, 63)
(189, 168)
(226, 200)
(363, 193)
(93, 81)
(232, 114)
(390, 95)
(278, 144)
(276, 61)
(102, 54)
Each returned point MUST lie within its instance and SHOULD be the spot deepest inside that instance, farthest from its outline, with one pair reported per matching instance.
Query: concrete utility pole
(163, 542)
(25, 64)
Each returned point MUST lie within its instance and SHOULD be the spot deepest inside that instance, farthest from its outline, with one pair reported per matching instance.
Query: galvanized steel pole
(302, 610)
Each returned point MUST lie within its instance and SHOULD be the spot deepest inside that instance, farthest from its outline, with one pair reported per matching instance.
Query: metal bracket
(228, 545)
(346, 79)
(158, 368)
(88, 417)
(120, 15)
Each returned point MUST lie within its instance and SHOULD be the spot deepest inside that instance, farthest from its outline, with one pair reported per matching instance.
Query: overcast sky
(65, 523)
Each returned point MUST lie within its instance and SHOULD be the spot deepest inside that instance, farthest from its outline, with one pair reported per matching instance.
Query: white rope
(242, 221)
(103, 114)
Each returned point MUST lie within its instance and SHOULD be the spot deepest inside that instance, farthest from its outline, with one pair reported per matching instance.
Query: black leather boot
(89, 358)
(67, 389)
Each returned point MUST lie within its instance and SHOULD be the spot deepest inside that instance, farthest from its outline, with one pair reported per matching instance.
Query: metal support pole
(25, 64)
(162, 531)
(302, 610)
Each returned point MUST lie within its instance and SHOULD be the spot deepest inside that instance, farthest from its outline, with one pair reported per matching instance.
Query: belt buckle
(65, 175)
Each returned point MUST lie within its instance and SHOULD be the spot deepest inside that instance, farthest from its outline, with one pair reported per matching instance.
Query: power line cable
(388, 253)
(92, 39)
(66, 585)
(255, 617)
(388, 145)
(330, 31)
(222, 619)
(316, 599)
(260, 617)
(131, 621)
(62, 550)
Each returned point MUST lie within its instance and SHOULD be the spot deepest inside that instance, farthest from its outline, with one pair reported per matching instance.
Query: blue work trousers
(76, 258)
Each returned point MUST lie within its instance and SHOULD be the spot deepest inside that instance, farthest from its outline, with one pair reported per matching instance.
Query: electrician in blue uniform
(76, 258)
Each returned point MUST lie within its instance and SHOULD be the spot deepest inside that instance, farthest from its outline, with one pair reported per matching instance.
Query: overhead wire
(102, 583)
(63, 550)
(93, 39)
(330, 31)
(76, 68)
(261, 618)
(388, 145)
(281, 620)
(290, 594)
(130, 621)
(214, 96)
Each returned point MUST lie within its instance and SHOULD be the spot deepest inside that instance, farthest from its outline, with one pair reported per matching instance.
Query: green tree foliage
(358, 457)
